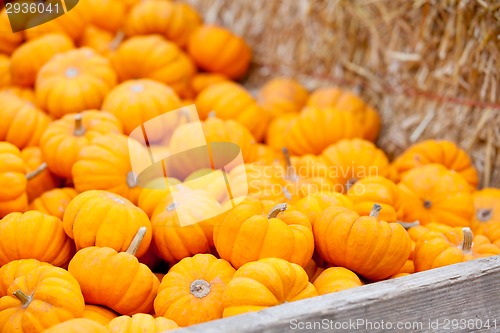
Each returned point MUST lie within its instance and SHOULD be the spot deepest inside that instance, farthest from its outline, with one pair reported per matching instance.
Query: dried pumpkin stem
(119, 37)
(211, 115)
(131, 180)
(136, 242)
(79, 129)
(279, 208)
(290, 171)
(375, 210)
(484, 215)
(37, 171)
(21, 296)
(199, 288)
(408, 225)
(467, 241)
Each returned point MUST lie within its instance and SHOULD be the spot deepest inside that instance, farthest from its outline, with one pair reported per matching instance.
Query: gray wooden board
(459, 298)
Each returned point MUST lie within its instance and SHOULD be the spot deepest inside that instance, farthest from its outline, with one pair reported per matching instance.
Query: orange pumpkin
(78, 325)
(313, 270)
(99, 314)
(8, 41)
(22, 123)
(135, 289)
(365, 245)
(192, 290)
(282, 95)
(343, 100)
(437, 249)
(71, 23)
(100, 218)
(175, 21)
(141, 322)
(65, 138)
(5, 79)
(433, 193)
(40, 179)
(267, 282)
(24, 93)
(182, 226)
(335, 279)
(154, 193)
(487, 218)
(137, 101)
(278, 128)
(202, 81)
(251, 231)
(54, 202)
(216, 49)
(312, 131)
(314, 204)
(351, 160)
(229, 100)
(107, 14)
(13, 171)
(155, 58)
(27, 60)
(15, 269)
(101, 41)
(40, 299)
(442, 152)
(105, 164)
(81, 78)
(377, 189)
(34, 235)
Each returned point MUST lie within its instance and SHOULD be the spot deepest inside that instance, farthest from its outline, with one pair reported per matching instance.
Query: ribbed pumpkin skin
(81, 77)
(13, 171)
(5, 79)
(282, 95)
(107, 14)
(486, 221)
(44, 181)
(99, 314)
(8, 41)
(335, 279)
(16, 268)
(141, 322)
(54, 202)
(27, 60)
(78, 325)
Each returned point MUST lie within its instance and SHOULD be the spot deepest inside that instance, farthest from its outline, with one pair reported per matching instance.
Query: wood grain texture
(466, 291)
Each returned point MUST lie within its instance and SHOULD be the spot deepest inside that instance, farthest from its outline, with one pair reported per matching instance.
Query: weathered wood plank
(467, 292)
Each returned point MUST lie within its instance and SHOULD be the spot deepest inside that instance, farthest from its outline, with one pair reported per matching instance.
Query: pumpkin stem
(408, 225)
(484, 215)
(350, 183)
(375, 210)
(21, 296)
(79, 129)
(467, 242)
(131, 180)
(211, 115)
(171, 207)
(119, 37)
(427, 204)
(290, 171)
(41, 168)
(136, 242)
(286, 193)
(279, 208)
(199, 288)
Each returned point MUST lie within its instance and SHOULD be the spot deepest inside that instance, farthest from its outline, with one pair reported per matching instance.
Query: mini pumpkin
(267, 282)
(65, 138)
(5, 79)
(442, 152)
(107, 14)
(13, 171)
(282, 95)
(78, 325)
(100, 218)
(137, 101)
(192, 290)
(314, 204)
(175, 21)
(229, 100)
(487, 218)
(344, 100)
(154, 193)
(54, 202)
(118, 281)
(34, 235)
(40, 299)
(141, 322)
(25, 93)
(216, 49)
(105, 164)
(14, 269)
(22, 123)
(8, 41)
(377, 189)
(351, 160)
(155, 58)
(335, 279)
(251, 231)
(182, 224)
(435, 194)
(365, 245)
(27, 60)
(313, 270)
(437, 249)
(40, 179)
(277, 129)
(312, 131)
(201, 81)
(99, 314)
(81, 77)
(101, 41)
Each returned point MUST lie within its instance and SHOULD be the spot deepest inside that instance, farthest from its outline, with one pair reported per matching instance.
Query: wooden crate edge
(466, 291)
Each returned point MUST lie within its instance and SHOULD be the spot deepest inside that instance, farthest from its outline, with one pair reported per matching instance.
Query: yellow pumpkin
(54, 202)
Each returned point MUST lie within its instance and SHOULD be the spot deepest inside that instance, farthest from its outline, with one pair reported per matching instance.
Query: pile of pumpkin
(83, 248)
